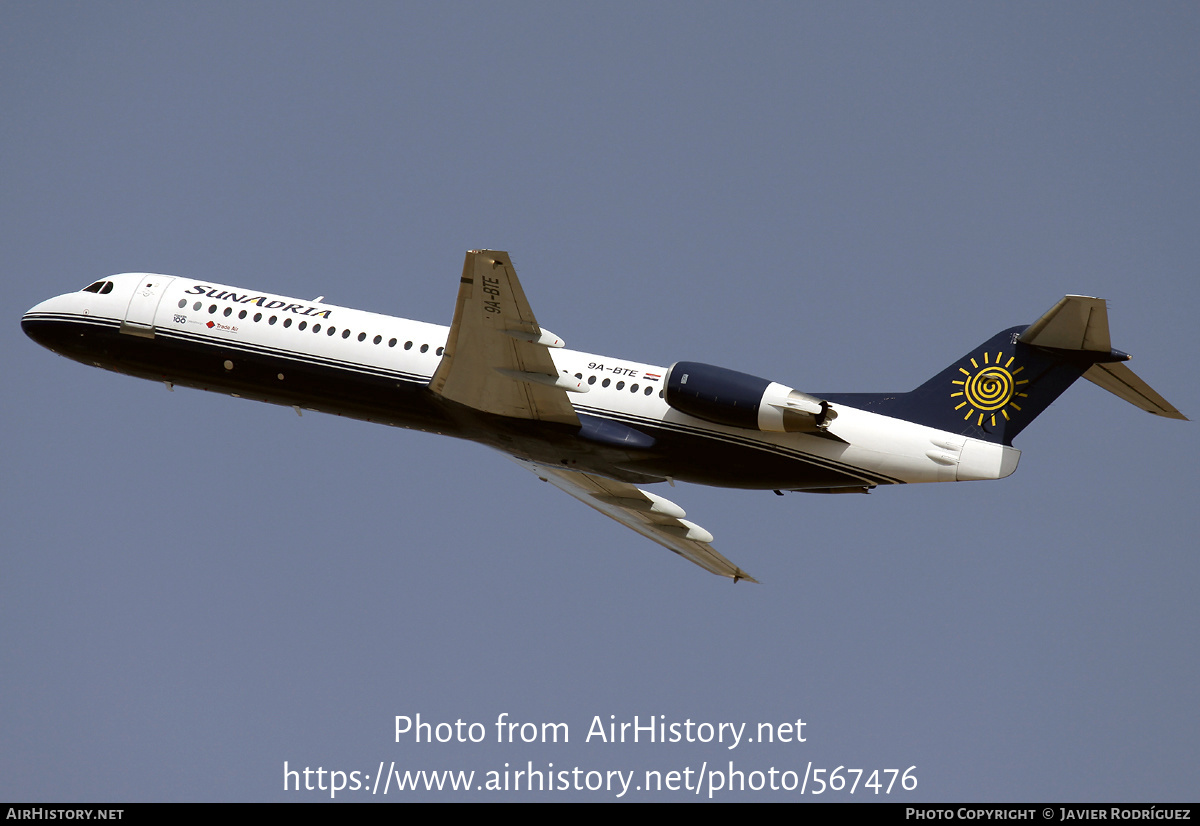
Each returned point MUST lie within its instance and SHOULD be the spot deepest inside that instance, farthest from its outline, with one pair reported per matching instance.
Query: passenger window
(605, 382)
(257, 317)
(620, 385)
(301, 325)
(633, 388)
(346, 333)
(212, 308)
(424, 348)
(331, 331)
(316, 328)
(391, 342)
(408, 345)
(182, 303)
(591, 379)
(648, 390)
(272, 319)
(287, 322)
(228, 312)
(441, 350)
(379, 339)
(197, 306)
(362, 336)
(242, 314)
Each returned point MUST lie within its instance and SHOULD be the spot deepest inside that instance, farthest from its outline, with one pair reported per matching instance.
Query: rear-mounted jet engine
(723, 396)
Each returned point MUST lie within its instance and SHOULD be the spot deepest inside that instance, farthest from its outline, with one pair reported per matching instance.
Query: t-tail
(993, 392)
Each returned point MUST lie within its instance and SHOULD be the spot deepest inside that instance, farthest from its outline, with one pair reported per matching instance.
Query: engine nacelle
(723, 396)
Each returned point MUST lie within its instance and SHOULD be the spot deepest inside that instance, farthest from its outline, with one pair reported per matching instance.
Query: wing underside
(650, 515)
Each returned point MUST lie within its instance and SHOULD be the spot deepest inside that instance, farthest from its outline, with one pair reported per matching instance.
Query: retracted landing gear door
(143, 304)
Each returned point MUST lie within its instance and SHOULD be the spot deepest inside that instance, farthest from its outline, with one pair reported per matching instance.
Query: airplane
(593, 426)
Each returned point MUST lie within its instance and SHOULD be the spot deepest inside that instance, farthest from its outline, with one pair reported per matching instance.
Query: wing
(650, 515)
(497, 358)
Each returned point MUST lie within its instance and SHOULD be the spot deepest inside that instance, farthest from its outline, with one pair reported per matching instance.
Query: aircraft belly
(685, 457)
(745, 469)
(708, 462)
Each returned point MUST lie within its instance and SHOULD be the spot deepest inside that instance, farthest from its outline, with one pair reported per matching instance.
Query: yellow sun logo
(989, 388)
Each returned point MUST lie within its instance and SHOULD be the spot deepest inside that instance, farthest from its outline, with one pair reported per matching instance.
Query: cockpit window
(101, 287)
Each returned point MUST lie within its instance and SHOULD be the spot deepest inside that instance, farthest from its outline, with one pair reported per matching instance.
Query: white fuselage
(259, 345)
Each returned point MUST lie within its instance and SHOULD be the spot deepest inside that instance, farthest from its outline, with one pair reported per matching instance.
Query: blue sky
(840, 197)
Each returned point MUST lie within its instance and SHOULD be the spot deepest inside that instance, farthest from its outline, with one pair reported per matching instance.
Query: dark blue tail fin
(993, 392)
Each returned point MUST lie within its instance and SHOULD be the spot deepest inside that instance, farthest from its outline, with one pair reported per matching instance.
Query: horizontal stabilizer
(1118, 379)
(1077, 322)
(1080, 323)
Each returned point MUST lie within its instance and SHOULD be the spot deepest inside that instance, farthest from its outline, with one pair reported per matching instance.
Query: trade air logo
(988, 389)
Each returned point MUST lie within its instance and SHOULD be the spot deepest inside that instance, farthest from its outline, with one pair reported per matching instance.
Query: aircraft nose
(34, 323)
(44, 322)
